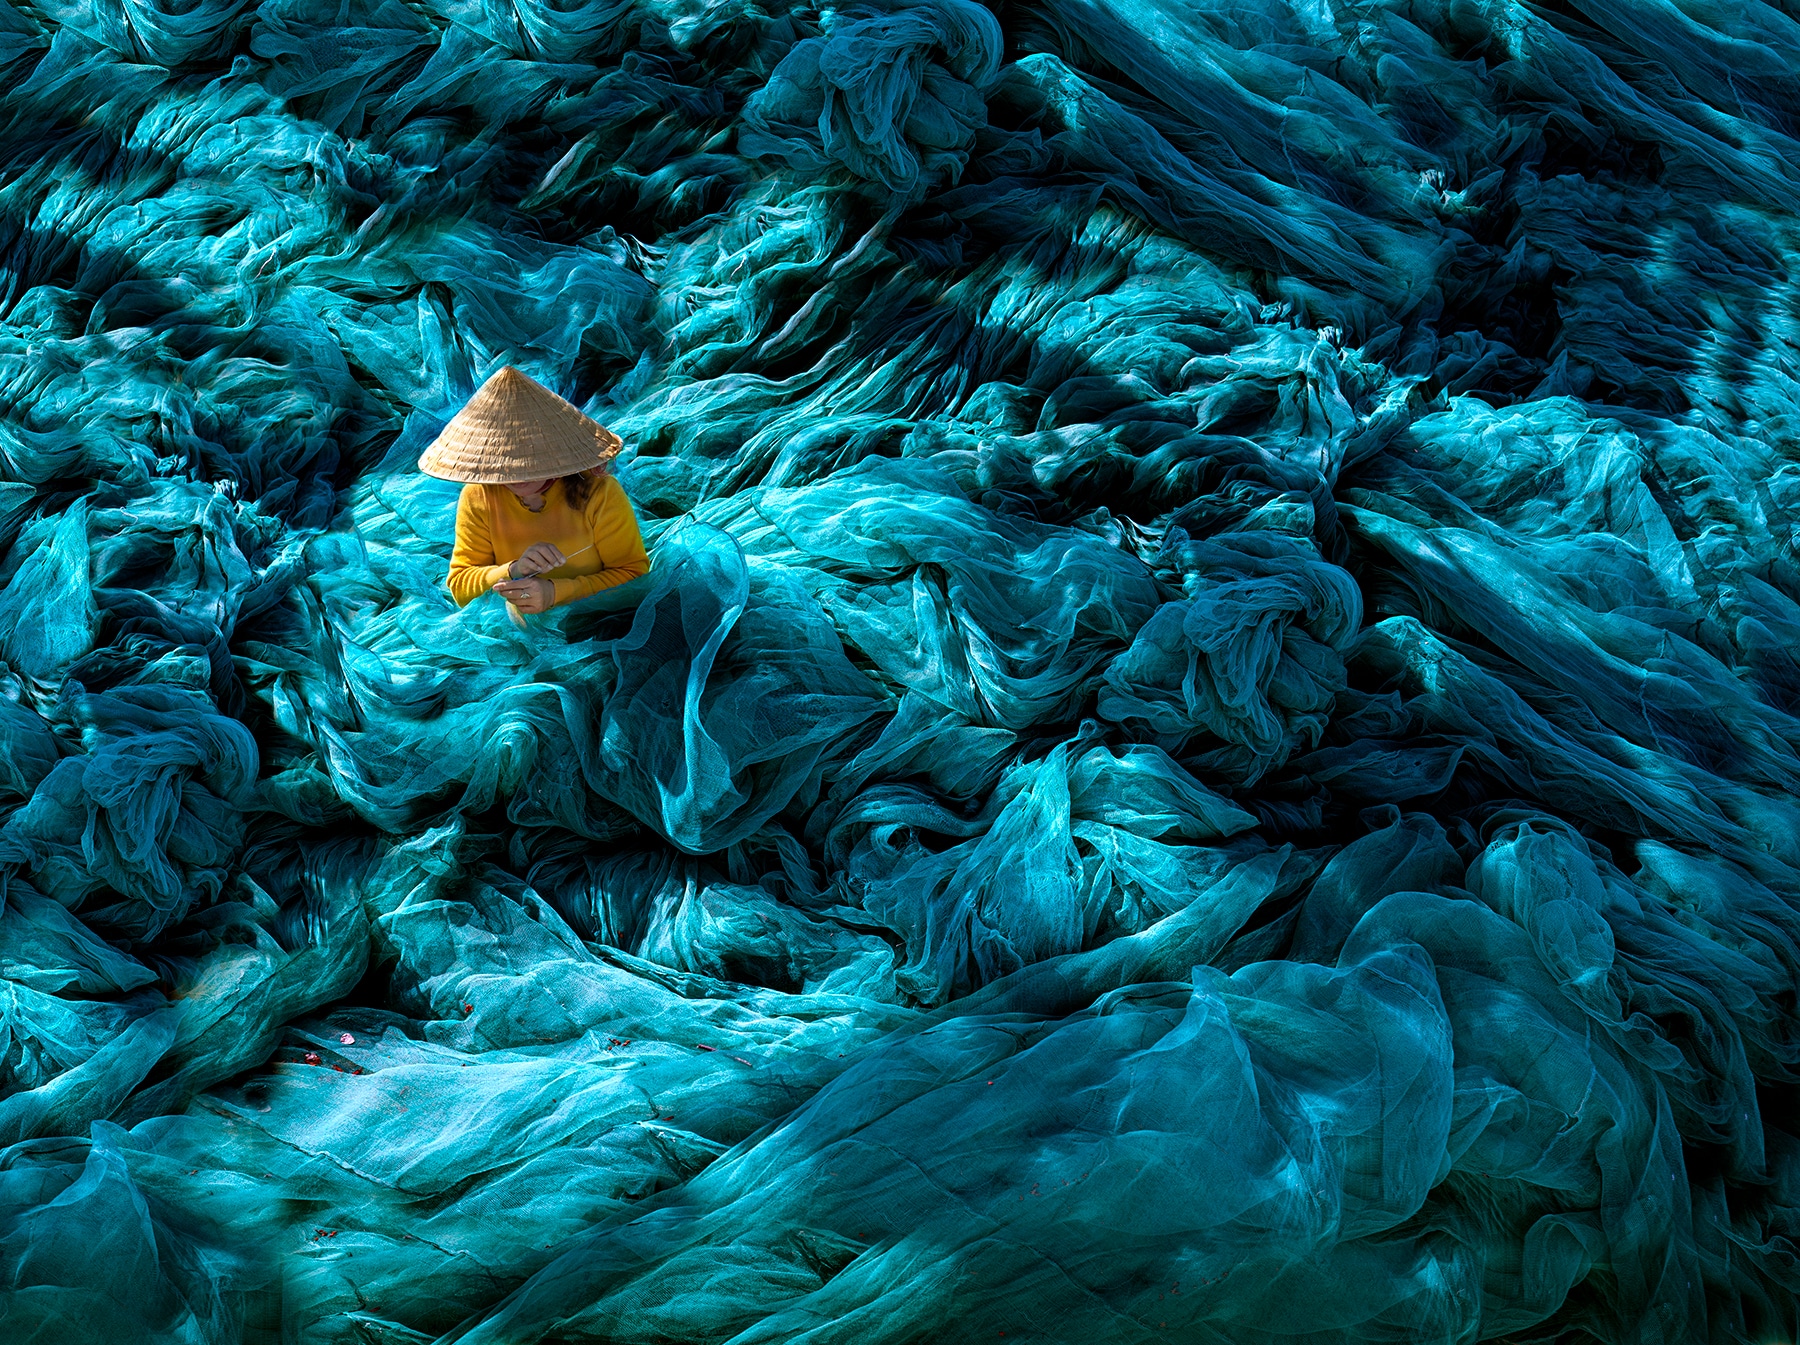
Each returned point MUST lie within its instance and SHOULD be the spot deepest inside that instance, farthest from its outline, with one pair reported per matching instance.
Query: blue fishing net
(1209, 752)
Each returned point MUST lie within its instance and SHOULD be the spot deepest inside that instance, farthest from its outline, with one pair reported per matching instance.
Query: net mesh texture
(1209, 753)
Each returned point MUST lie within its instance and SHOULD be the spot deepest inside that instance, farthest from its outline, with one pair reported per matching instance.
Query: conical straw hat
(515, 429)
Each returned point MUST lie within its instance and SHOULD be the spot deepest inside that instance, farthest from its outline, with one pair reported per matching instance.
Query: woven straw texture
(516, 429)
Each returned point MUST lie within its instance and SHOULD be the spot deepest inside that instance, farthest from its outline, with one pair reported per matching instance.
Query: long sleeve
(618, 545)
(473, 570)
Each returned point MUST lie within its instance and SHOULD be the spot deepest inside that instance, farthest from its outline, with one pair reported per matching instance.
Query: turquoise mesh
(1209, 753)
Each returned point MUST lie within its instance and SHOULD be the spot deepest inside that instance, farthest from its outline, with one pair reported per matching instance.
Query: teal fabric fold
(1209, 752)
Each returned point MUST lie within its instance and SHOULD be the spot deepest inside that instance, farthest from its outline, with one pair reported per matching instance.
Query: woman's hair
(577, 487)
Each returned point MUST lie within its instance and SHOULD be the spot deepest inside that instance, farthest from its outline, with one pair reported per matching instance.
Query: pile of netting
(1209, 753)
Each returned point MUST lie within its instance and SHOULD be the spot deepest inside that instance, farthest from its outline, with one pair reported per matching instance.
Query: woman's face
(529, 490)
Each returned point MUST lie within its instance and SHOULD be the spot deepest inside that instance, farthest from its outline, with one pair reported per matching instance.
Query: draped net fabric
(1209, 752)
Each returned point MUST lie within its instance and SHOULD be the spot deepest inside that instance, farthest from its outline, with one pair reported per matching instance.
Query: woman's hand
(531, 595)
(538, 557)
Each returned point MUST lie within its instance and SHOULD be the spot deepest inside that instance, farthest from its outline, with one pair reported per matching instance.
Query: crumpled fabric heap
(1209, 753)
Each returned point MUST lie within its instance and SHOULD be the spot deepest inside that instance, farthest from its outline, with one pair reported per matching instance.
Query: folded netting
(1209, 752)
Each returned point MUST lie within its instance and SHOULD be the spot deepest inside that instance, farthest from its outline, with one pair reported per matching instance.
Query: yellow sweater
(493, 528)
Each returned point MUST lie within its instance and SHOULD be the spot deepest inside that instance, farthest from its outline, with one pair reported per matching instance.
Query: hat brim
(444, 461)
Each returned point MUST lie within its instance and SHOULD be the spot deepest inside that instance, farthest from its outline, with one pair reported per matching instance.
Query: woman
(540, 521)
